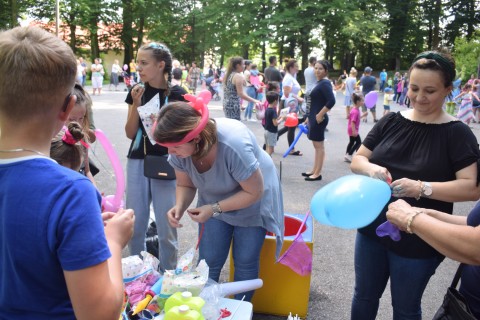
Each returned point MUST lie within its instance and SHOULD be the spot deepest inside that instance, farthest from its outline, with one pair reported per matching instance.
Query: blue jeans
(374, 265)
(252, 93)
(246, 247)
(141, 192)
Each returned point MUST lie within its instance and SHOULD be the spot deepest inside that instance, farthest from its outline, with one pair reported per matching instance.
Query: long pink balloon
(116, 201)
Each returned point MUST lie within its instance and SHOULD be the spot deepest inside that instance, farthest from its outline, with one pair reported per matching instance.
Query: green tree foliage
(467, 55)
(379, 33)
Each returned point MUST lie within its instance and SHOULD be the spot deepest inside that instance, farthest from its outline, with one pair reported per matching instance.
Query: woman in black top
(322, 100)
(155, 69)
(431, 159)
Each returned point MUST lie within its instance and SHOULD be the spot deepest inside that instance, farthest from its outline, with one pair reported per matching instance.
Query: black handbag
(157, 167)
(454, 306)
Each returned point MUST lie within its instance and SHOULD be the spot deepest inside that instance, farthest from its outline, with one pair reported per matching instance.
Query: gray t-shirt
(238, 157)
(310, 79)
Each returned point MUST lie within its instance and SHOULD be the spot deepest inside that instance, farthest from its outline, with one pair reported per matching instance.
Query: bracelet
(421, 190)
(410, 221)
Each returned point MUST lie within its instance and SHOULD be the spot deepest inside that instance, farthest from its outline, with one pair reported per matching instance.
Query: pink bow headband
(69, 139)
(198, 104)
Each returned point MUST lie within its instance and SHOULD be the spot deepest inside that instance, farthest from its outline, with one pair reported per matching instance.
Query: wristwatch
(216, 209)
(427, 189)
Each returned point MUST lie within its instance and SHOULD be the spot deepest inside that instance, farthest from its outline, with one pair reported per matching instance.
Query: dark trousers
(354, 144)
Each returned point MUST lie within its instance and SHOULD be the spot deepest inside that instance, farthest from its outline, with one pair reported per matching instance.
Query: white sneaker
(347, 158)
(252, 120)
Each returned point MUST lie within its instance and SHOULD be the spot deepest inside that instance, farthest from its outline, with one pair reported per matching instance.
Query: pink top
(355, 118)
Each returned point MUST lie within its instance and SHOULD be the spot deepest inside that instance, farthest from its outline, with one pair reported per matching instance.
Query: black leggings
(354, 144)
(291, 132)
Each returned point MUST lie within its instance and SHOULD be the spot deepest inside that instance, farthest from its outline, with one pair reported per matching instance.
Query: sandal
(296, 153)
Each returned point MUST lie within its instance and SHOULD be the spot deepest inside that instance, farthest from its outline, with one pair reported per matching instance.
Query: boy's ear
(71, 103)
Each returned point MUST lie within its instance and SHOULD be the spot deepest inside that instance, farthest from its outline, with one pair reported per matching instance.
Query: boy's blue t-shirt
(270, 114)
(50, 221)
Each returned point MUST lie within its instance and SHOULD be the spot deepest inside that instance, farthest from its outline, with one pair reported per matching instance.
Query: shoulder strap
(457, 276)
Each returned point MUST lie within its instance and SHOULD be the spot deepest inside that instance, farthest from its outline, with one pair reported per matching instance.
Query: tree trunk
(14, 14)
(73, 36)
(127, 31)
(264, 56)
(436, 24)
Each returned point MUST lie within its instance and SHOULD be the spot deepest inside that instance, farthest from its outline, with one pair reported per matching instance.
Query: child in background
(386, 100)
(65, 263)
(354, 126)
(271, 121)
(82, 114)
(66, 147)
(465, 113)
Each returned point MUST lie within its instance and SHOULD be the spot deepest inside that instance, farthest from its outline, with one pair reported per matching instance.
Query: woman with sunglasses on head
(154, 67)
(239, 192)
(419, 151)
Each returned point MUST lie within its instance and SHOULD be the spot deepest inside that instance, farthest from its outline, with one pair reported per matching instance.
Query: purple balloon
(388, 229)
(371, 99)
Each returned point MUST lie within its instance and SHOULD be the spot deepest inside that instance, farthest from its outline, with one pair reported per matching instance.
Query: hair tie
(69, 139)
(198, 104)
(441, 60)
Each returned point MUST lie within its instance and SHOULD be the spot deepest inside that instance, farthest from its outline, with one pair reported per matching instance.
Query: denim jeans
(252, 93)
(374, 265)
(141, 192)
(246, 247)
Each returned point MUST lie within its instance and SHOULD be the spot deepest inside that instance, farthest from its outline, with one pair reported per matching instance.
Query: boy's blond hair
(38, 72)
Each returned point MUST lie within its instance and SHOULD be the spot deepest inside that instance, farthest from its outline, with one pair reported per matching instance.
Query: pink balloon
(112, 202)
(108, 204)
(206, 96)
(190, 97)
(198, 104)
(125, 67)
(371, 99)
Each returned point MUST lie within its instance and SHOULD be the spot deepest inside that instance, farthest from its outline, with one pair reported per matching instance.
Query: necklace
(22, 149)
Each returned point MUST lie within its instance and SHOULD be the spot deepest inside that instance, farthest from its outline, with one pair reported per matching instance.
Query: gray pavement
(333, 276)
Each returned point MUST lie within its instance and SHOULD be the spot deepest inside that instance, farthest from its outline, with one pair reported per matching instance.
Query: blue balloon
(350, 202)
(317, 205)
(303, 129)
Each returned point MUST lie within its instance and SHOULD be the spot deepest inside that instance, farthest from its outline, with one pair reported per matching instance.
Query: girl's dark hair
(271, 96)
(177, 119)
(273, 85)
(161, 53)
(356, 97)
(66, 154)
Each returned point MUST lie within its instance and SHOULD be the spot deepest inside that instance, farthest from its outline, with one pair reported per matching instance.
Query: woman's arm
(238, 80)
(131, 127)
(463, 188)
(458, 242)
(251, 192)
(362, 165)
(185, 193)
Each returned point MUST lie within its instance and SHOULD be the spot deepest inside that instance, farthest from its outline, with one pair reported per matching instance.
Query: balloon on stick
(303, 129)
(291, 120)
(351, 202)
(371, 99)
(112, 202)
